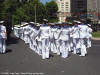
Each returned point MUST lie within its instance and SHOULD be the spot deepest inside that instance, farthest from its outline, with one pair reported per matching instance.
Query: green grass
(96, 34)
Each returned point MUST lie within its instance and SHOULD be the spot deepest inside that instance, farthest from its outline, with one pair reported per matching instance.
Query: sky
(44, 1)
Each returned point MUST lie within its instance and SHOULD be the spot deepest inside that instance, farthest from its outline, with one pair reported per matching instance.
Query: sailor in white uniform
(64, 37)
(83, 35)
(70, 28)
(38, 40)
(89, 36)
(75, 38)
(45, 35)
(52, 38)
(16, 30)
(3, 37)
(58, 40)
(32, 36)
(26, 33)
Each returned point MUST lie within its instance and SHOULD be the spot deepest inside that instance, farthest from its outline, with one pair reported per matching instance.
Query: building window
(66, 2)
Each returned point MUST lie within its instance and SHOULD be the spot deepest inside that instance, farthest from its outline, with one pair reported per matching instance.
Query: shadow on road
(8, 51)
(12, 40)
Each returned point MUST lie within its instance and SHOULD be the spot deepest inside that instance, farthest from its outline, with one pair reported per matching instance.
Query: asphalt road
(20, 60)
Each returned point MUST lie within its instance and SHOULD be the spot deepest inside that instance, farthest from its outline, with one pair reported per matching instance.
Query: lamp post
(97, 8)
(35, 14)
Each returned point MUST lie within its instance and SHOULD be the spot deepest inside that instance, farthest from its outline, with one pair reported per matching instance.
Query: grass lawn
(96, 34)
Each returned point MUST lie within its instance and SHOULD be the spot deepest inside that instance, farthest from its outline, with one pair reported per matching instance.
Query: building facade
(64, 9)
(79, 6)
(67, 8)
(93, 9)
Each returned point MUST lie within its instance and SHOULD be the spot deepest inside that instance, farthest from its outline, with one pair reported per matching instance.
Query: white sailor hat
(78, 22)
(75, 21)
(32, 23)
(26, 23)
(70, 23)
(52, 24)
(38, 25)
(45, 20)
(1, 21)
(89, 25)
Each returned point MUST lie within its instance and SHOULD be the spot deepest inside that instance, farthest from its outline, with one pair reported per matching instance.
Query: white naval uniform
(26, 34)
(76, 39)
(2, 39)
(34, 40)
(38, 42)
(89, 37)
(30, 40)
(22, 32)
(64, 37)
(71, 38)
(45, 35)
(83, 35)
(58, 41)
(53, 40)
(16, 32)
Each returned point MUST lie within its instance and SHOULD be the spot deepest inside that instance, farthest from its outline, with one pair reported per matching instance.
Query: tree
(24, 10)
(1, 10)
(51, 8)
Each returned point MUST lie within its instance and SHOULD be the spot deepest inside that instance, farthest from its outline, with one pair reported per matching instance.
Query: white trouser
(83, 47)
(39, 47)
(64, 49)
(16, 33)
(76, 45)
(53, 46)
(45, 48)
(22, 36)
(2, 45)
(26, 38)
(30, 43)
(89, 43)
(71, 44)
(58, 46)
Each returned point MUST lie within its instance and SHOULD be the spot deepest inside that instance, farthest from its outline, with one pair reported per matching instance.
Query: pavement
(21, 60)
(96, 38)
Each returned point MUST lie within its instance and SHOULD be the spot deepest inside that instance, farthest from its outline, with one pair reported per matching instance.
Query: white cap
(75, 20)
(52, 24)
(78, 22)
(69, 23)
(25, 23)
(45, 20)
(89, 25)
(32, 22)
(38, 25)
(1, 21)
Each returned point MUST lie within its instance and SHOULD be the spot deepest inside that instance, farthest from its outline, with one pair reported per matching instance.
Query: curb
(95, 38)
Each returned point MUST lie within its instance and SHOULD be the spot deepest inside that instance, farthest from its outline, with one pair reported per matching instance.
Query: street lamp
(97, 8)
(35, 14)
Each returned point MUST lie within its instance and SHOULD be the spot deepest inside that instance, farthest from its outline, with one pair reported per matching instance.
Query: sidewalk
(95, 38)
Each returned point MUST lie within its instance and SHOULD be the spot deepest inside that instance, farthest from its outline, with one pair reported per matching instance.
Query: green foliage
(96, 34)
(51, 8)
(25, 11)
(1, 10)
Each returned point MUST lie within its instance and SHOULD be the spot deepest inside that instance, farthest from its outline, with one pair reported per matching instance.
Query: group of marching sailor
(57, 38)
